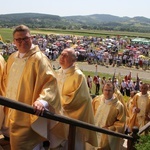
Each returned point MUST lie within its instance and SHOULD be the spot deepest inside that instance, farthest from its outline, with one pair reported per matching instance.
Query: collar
(144, 94)
(108, 100)
(65, 70)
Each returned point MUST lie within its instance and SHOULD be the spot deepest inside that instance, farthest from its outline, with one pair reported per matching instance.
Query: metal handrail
(29, 109)
(144, 128)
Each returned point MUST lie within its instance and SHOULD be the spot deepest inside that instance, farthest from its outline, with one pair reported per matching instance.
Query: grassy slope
(6, 33)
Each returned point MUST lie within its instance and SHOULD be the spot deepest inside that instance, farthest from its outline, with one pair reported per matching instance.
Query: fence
(72, 122)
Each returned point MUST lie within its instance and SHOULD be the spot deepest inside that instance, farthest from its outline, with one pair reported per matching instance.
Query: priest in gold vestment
(109, 114)
(96, 101)
(30, 79)
(75, 98)
(2, 64)
(140, 114)
(129, 104)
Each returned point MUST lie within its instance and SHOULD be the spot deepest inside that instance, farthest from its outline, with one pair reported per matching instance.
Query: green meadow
(6, 33)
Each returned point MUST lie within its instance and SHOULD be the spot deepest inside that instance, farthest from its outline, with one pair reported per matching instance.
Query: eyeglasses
(108, 90)
(26, 39)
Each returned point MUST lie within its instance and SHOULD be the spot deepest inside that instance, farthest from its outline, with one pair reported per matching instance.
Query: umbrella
(61, 39)
(54, 46)
(109, 46)
(69, 41)
(141, 56)
(138, 52)
(120, 54)
(105, 53)
(74, 46)
(82, 50)
(98, 49)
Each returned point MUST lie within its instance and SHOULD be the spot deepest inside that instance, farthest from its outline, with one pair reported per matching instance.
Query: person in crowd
(2, 64)
(95, 81)
(123, 87)
(109, 79)
(28, 78)
(75, 97)
(98, 81)
(140, 84)
(140, 114)
(89, 82)
(103, 81)
(110, 114)
(116, 83)
(128, 87)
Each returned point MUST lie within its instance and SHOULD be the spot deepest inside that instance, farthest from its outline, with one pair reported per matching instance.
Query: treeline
(100, 22)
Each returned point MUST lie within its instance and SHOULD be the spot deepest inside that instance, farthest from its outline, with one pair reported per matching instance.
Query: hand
(38, 108)
(105, 127)
(137, 110)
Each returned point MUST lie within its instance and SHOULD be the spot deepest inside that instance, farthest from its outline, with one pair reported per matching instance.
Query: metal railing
(144, 128)
(72, 122)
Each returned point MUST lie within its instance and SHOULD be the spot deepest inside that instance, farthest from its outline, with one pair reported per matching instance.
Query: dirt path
(122, 70)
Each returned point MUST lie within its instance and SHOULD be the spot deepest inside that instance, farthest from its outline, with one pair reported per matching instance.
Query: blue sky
(130, 8)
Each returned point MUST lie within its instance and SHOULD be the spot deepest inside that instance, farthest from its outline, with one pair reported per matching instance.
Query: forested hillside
(90, 22)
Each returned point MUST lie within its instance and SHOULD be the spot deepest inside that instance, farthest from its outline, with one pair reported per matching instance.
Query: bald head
(71, 53)
(67, 58)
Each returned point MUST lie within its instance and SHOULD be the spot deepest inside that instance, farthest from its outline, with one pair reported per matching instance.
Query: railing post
(71, 137)
(131, 143)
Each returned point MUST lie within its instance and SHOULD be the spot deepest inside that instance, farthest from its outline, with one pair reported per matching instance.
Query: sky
(121, 8)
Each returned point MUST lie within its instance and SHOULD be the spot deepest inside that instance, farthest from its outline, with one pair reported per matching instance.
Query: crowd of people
(109, 51)
(125, 85)
(29, 77)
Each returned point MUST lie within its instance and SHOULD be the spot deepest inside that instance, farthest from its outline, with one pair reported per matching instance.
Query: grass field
(126, 98)
(6, 33)
(92, 75)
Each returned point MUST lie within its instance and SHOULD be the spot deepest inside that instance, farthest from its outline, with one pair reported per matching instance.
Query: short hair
(145, 85)
(21, 28)
(108, 83)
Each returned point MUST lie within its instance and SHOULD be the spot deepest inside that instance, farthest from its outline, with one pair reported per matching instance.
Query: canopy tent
(141, 41)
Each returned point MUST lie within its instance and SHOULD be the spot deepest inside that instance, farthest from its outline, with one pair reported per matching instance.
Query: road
(102, 69)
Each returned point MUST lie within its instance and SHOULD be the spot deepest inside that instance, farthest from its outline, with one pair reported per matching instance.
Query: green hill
(90, 22)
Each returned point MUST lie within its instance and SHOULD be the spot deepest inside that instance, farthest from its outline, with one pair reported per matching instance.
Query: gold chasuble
(110, 115)
(26, 80)
(143, 103)
(2, 64)
(76, 101)
(121, 99)
(96, 102)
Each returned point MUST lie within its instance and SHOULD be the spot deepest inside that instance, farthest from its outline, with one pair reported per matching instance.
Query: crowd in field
(125, 85)
(27, 77)
(115, 51)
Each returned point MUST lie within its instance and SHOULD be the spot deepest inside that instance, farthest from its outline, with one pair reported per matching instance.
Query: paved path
(122, 70)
